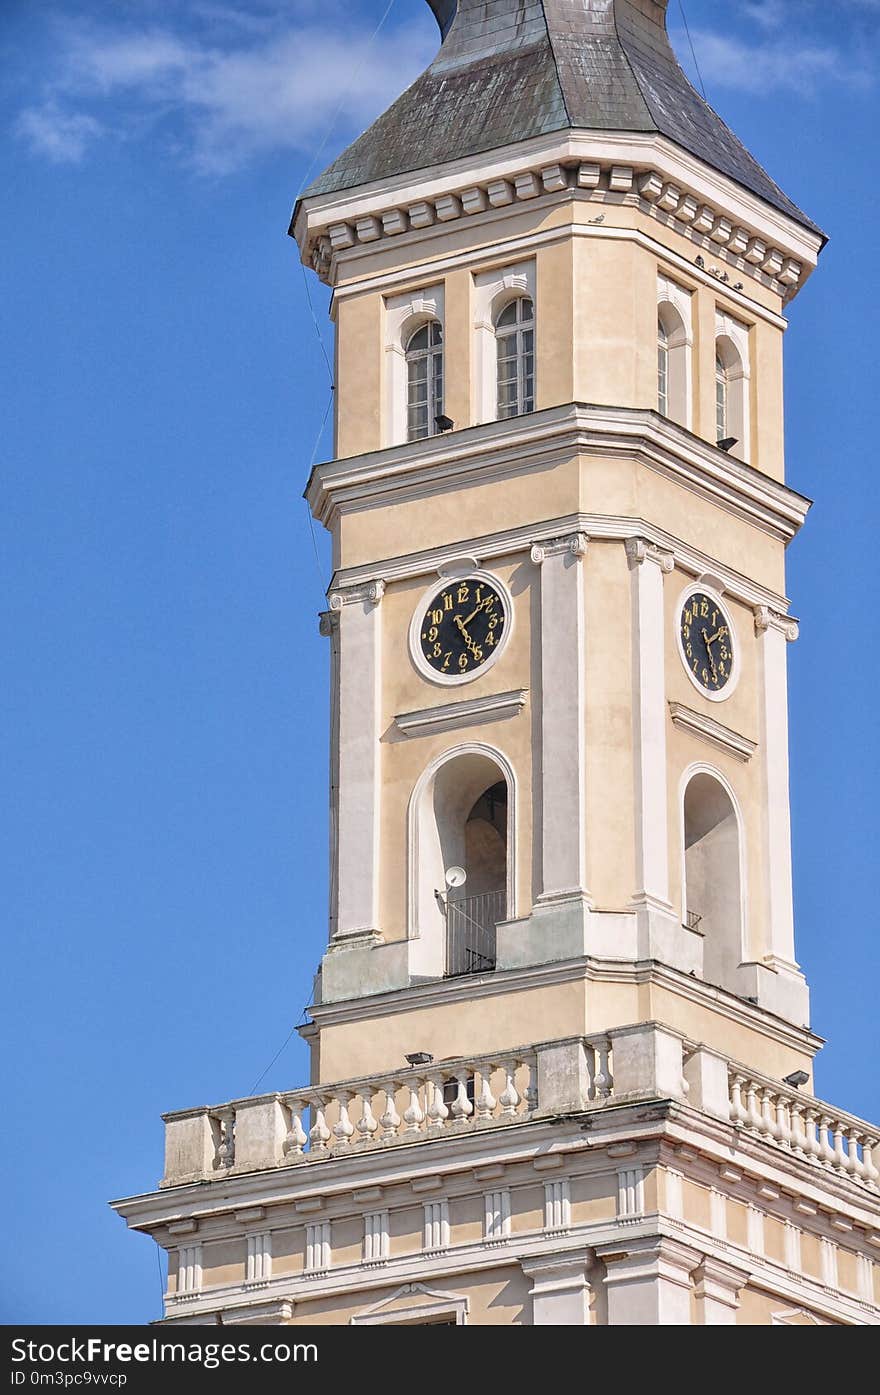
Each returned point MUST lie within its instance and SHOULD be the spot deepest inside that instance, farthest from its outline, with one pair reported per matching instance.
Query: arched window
(732, 394)
(673, 364)
(515, 340)
(662, 368)
(424, 381)
(460, 817)
(713, 899)
(722, 398)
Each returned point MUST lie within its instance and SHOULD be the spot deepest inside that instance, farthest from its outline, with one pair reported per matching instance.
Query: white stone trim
(424, 961)
(189, 1270)
(455, 680)
(774, 632)
(258, 1262)
(377, 1237)
(557, 1206)
(559, 1290)
(493, 291)
(435, 1304)
(630, 1193)
(681, 348)
(733, 743)
(496, 1216)
(648, 565)
(562, 647)
(318, 1256)
(428, 720)
(702, 768)
(359, 709)
(671, 185)
(708, 587)
(502, 451)
(436, 1226)
(403, 315)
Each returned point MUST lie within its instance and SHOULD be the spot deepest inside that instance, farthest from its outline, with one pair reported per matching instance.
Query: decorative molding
(499, 451)
(708, 729)
(575, 545)
(371, 591)
(491, 708)
(639, 550)
(643, 172)
(435, 1304)
(767, 619)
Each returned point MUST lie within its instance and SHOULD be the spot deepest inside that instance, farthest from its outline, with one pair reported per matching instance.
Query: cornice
(642, 170)
(448, 992)
(490, 708)
(715, 732)
(502, 450)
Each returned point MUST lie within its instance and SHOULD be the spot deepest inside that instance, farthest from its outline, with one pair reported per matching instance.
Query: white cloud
(774, 65)
(62, 136)
(266, 88)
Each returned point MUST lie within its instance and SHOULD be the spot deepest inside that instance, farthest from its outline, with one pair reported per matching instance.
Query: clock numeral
(447, 600)
(436, 617)
(490, 638)
(446, 658)
(462, 661)
(463, 593)
(437, 651)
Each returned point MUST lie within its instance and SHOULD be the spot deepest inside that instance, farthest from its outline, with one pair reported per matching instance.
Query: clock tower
(561, 1045)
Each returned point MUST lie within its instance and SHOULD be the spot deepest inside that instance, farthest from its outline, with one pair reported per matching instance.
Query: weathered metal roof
(509, 70)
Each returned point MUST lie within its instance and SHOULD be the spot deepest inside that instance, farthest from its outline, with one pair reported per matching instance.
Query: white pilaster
(436, 1232)
(377, 1237)
(259, 1257)
(717, 1288)
(648, 565)
(496, 1223)
(557, 1206)
(189, 1269)
(774, 632)
(318, 1254)
(563, 834)
(648, 1283)
(559, 1289)
(356, 913)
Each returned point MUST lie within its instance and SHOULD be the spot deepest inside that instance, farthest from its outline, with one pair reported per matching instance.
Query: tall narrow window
(515, 337)
(662, 369)
(721, 399)
(424, 381)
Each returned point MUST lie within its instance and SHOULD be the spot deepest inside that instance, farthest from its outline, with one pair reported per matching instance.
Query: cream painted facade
(602, 1132)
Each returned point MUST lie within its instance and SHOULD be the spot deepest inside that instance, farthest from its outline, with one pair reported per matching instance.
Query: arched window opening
(424, 381)
(461, 818)
(722, 399)
(713, 884)
(662, 368)
(672, 364)
(515, 340)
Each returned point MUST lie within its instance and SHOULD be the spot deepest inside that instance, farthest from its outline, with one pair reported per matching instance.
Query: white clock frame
(455, 680)
(705, 588)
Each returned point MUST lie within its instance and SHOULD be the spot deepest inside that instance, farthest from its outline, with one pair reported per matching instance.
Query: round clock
(459, 628)
(706, 641)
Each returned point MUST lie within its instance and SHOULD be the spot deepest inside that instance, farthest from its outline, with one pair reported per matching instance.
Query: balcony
(470, 932)
(455, 1098)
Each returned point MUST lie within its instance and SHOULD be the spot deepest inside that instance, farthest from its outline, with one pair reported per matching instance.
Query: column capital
(574, 544)
(328, 623)
(371, 592)
(767, 619)
(639, 550)
(715, 1278)
(653, 1256)
(556, 1270)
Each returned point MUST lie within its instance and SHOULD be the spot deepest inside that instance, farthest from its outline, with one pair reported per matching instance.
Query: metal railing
(470, 932)
(692, 920)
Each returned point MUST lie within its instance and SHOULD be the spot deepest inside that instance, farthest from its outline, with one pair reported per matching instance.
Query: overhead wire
(693, 50)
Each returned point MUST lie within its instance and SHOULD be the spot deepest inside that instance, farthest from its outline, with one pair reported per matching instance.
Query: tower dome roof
(510, 70)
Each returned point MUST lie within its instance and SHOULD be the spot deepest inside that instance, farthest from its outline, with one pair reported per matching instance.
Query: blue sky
(165, 691)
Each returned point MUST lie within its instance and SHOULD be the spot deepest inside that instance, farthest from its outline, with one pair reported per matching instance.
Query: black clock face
(462, 626)
(707, 642)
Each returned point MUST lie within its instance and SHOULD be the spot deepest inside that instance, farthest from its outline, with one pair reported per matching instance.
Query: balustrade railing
(804, 1126)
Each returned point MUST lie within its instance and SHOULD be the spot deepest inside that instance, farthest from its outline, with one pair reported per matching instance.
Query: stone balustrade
(449, 1098)
(442, 1098)
(804, 1126)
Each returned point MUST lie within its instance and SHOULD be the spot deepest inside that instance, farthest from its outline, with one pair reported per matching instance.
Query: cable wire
(693, 50)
